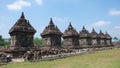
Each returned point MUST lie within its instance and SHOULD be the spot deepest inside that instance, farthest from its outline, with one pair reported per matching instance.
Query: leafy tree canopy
(38, 41)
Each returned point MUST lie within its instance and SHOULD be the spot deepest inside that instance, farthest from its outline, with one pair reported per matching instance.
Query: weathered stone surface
(71, 37)
(94, 38)
(22, 33)
(4, 58)
(101, 39)
(84, 37)
(108, 39)
(51, 35)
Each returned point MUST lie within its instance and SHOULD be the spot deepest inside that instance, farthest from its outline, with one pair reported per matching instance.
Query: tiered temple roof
(70, 31)
(93, 34)
(108, 36)
(101, 35)
(84, 33)
(51, 29)
(22, 33)
(22, 25)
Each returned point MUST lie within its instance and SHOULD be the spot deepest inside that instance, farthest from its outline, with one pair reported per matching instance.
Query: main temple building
(22, 36)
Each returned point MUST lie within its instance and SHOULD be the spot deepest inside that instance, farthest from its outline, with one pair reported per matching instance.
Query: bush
(38, 41)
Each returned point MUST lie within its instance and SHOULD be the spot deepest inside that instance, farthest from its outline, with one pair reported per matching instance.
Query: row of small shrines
(22, 35)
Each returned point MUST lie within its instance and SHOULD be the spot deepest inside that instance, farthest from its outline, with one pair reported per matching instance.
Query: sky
(98, 14)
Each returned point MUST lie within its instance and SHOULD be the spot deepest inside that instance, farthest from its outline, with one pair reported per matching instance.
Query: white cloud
(114, 12)
(18, 5)
(117, 27)
(60, 19)
(100, 23)
(39, 2)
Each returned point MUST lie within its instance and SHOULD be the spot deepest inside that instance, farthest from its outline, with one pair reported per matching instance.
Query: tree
(1, 38)
(3, 42)
(116, 39)
(37, 41)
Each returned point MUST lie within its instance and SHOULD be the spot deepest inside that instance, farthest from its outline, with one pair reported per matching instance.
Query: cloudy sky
(99, 14)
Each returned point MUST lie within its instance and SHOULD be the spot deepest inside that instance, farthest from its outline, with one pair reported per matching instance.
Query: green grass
(100, 59)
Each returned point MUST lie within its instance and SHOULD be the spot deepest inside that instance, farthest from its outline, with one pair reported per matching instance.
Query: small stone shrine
(51, 35)
(22, 33)
(108, 39)
(71, 37)
(85, 38)
(101, 39)
(94, 38)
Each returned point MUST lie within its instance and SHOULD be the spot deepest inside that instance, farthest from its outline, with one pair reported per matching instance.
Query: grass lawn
(99, 59)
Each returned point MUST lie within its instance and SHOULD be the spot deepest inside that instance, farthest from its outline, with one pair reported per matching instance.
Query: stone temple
(108, 39)
(22, 36)
(101, 40)
(84, 37)
(94, 38)
(22, 33)
(71, 37)
(51, 35)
